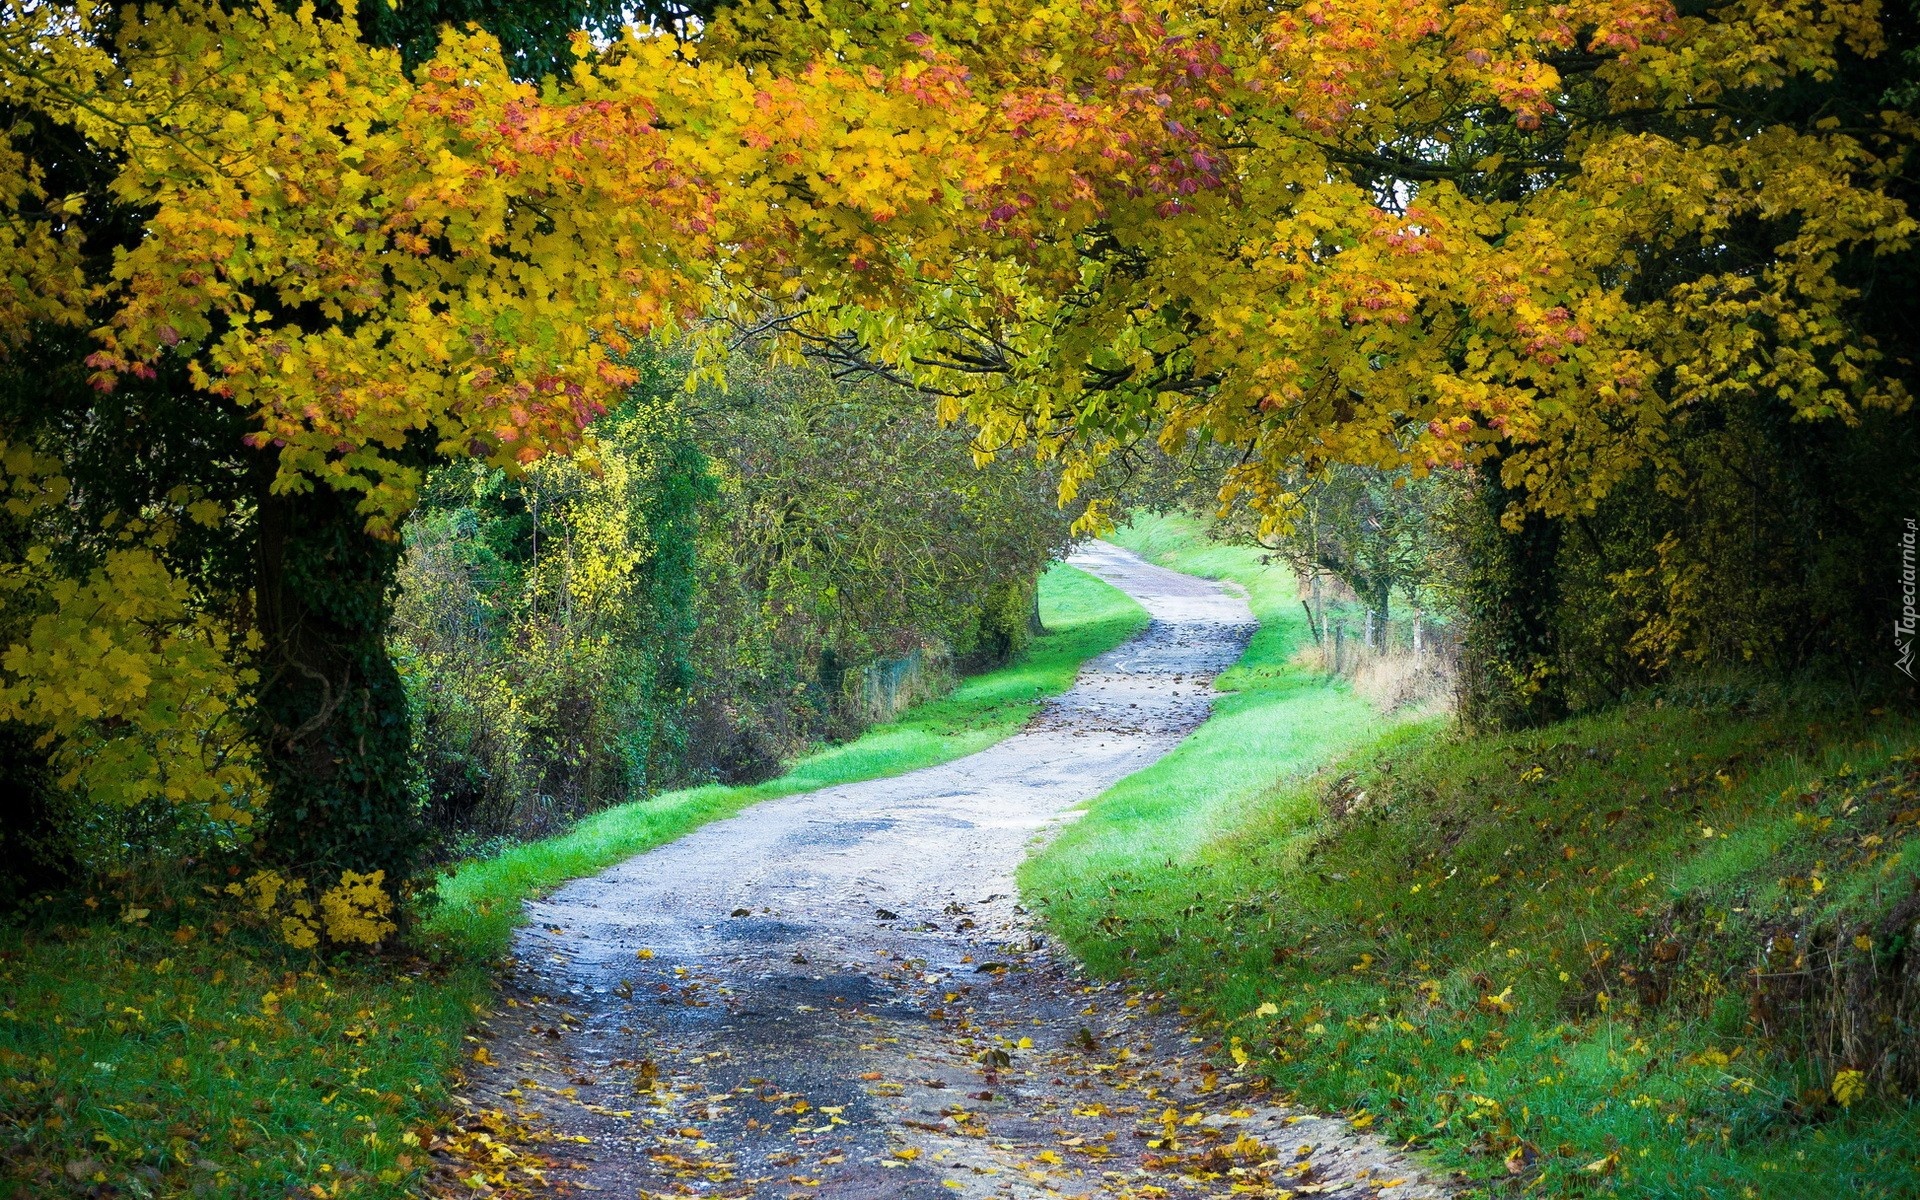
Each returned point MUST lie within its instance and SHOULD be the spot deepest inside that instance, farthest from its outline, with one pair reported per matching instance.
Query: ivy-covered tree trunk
(1511, 676)
(332, 714)
(1378, 594)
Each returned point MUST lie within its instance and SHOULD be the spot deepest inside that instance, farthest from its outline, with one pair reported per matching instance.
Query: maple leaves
(135, 694)
(1379, 233)
(1417, 242)
(359, 257)
(45, 283)
(139, 696)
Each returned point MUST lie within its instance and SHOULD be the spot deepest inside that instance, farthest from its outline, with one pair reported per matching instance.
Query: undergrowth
(164, 1048)
(1663, 951)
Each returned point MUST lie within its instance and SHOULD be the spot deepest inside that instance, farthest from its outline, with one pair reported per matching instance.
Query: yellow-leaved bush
(138, 694)
(357, 911)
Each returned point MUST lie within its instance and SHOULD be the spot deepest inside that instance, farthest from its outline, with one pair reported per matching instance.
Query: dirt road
(837, 994)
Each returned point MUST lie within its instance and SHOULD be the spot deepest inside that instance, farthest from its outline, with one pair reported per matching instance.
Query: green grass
(1590, 960)
(1277, 721)
(182, 1053)
(219, 1065)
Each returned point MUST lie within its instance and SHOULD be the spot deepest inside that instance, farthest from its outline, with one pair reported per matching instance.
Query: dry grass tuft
(1393, 680)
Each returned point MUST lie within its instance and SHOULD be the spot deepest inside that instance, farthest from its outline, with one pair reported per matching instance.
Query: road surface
(838, 995)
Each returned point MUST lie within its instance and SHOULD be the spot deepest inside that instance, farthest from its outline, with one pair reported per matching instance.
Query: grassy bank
(158, 1048)
(1276, 722)
(1663, 951)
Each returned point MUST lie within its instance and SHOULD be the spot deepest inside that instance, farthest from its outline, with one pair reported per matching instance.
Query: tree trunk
(1511, 676)
(332, 714)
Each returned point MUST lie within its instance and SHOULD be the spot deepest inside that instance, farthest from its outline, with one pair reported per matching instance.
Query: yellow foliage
(476, 247)
(139, 692)
(477, 251)
(263, 889)
(1343, 276)
(298, 933)
(356, 911)
(1849, 1086)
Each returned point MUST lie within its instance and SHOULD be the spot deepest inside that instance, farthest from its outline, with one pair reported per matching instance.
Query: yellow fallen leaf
(1269, 1009)
(908, 1154)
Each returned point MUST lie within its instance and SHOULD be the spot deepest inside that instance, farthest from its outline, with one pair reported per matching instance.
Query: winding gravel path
(837, 994)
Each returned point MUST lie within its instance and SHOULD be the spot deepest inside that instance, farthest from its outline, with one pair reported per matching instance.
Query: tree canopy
(1373, 233)
(1541, 240)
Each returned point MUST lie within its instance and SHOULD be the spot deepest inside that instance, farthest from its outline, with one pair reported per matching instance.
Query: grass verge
(159, 1047)
(1275, 722)
(1662, 951)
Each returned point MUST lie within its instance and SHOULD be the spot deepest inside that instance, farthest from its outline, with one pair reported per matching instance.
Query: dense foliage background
(754, 566)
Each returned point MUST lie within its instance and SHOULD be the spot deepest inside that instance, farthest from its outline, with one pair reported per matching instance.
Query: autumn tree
(269, 371)
(281, 273)
(1562, 247)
